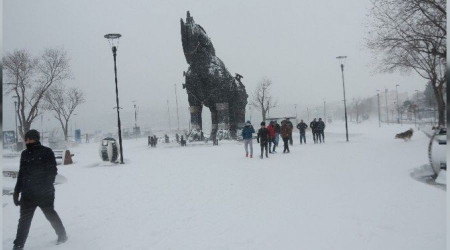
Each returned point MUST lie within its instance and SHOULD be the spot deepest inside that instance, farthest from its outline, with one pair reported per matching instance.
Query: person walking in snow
(34, 184)
(313, 126)
(247, 135)
(302, 127)
(271, 129)
(263, 139)
(286, 131)
(291, 127)
(320, 130)
(277, 129)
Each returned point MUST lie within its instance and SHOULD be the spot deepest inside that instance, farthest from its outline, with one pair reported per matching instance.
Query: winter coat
(247, 132)
(286, 131)
(277, 128)
(320, 126)
(302, 126)
(290, 125)
(313, 126)
(37, 171)
(271, 131)
(263, 135)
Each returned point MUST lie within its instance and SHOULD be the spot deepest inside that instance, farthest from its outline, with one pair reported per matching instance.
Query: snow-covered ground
(337, 195)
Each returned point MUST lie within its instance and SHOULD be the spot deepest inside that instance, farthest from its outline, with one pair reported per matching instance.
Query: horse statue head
(196, 43)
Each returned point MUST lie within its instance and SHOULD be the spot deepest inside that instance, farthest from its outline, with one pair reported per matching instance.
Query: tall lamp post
(341, 60)
(114, 41)
(399, 120)
(379, 114)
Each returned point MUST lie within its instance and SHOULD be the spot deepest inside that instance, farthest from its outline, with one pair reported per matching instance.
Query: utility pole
(176, 100)
(379, 113)
(168, 111)
(342, 58)
(387, 108)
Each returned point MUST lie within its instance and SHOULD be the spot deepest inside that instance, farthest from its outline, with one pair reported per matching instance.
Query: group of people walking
(317, 129)
(268, 136)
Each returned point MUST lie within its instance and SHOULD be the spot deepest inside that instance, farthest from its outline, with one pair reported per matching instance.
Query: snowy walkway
(338, 195)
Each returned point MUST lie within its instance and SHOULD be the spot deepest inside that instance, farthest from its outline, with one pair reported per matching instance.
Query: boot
(18, 247)
(246, 155)
(61, 239)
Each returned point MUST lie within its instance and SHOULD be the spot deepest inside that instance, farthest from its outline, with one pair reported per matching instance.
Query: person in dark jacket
(291, 127)
(35, 186)
(271, 129)
(247, 135)
(302, 127)
(320, 130)
(277, 129)
(313, 126)
(263, 139)
(286, 131)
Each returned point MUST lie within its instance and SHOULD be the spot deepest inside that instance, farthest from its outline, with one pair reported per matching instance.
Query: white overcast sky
(294, 43)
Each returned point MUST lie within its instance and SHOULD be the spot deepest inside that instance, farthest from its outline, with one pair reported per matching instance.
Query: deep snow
(337, 195)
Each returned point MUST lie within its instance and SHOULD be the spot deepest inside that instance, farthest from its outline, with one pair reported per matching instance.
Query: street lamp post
(398, 105)
(342, 59)
(379, 113)
(113, 38)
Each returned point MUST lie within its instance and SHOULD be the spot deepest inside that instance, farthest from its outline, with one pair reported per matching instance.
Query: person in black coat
(301, 127)
(320, 130)
(291, 127)
(35, 186)
(313, 126)
(263, 139)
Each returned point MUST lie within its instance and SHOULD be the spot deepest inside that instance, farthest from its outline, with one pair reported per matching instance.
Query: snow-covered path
(337, 195)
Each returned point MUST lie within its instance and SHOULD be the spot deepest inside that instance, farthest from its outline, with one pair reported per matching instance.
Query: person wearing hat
(286, 131)
(291, 127)
(247, 135)
(263, 138)
(35, 186)
(320, 130)
(302, 127)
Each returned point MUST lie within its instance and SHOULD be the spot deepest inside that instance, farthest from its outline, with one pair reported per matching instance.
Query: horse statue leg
(195, 108)
(214, 123)
(223, 118)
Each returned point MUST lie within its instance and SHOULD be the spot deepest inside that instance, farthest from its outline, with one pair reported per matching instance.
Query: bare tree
(410, 35)
(63, 102)
(29, 78)
(262, 100)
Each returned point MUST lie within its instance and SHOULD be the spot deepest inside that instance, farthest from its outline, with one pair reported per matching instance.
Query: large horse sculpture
(210, 84)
